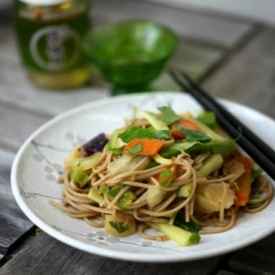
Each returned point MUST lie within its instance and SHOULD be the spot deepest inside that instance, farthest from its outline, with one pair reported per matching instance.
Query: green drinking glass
(130, 54)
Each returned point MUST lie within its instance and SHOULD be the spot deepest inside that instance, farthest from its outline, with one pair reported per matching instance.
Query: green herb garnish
(162, 134)
(119, 226)
(135, 149)
(208, 118)
(132, 132)
(194, 135)
(168, 116)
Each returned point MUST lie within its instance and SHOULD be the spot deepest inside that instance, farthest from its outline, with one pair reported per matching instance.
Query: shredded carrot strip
(186, 124)
(244, 184)
(150, 147)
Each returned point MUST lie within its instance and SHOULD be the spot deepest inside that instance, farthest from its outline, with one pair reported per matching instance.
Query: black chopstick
(258, 150)
(238, 124)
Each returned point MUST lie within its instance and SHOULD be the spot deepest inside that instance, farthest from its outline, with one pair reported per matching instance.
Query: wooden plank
(249, 72)
(6, 159)
(257, 259)
(8, 47)
(62, 259)
(193, 58)
(220, 31)
(17, 124)
(14, 225)
(260, 11)
(11, 231)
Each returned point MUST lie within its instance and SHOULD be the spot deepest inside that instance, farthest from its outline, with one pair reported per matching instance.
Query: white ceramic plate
(39, 163)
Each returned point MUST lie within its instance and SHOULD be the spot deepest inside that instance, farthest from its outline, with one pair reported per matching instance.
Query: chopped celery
(210, 133)
(154, 196)
(184, 191)
(85, 163)
(178, 235)
(79, 176)
(153, 120)
(211, 164)
(95, 196)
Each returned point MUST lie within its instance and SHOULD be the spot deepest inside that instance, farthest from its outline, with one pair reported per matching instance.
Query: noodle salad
(163, 175)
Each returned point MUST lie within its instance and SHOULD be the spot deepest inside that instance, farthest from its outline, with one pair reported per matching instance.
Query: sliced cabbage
(208, 198)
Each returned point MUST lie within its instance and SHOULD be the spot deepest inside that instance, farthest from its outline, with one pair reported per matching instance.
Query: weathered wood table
(232, 58)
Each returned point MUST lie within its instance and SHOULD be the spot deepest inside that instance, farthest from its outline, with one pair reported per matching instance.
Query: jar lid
(44, 2)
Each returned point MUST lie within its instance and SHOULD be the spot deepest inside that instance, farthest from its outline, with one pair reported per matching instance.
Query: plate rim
(101, 251)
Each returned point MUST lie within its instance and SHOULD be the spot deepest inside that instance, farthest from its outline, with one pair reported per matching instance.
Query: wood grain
(249, 75)
(6, 159)
(257, 259)
(14, 225)
(193, 25)
(18, 123)
(62, 259)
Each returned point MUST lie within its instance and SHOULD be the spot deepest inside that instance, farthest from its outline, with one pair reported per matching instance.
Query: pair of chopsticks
(256, 148)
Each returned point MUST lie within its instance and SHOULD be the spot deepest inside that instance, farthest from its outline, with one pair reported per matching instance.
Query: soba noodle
(139, 178)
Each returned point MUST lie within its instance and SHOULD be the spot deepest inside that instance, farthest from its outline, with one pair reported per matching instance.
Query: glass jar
(49, 34)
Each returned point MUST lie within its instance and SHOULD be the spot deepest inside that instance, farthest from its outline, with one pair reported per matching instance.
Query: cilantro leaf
(119, 226)
(163, 134)
(135, 149)
(168, 116)
(208, 118)
(194, 135)
(132, 132)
